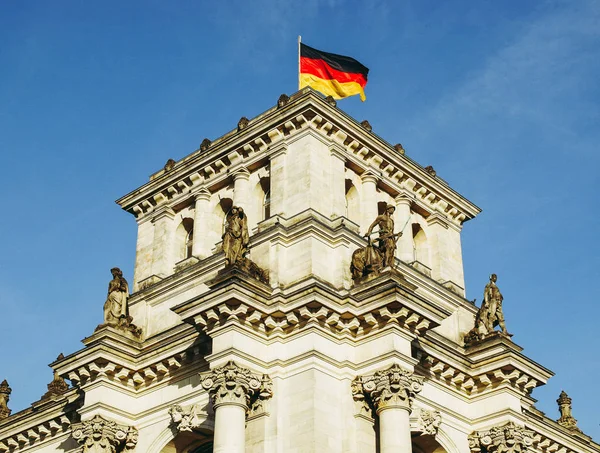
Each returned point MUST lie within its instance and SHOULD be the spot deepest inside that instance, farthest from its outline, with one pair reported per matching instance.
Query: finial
(5, 392)
(283, 100)
(169, 165)
(243, 123)
(366, 125)
(429, 169)
(566, 418)
(399, 148)
(205, 144)
(331, 101)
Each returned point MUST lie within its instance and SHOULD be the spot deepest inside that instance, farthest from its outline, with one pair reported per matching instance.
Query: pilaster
(200, 246)
(402, 216)
(368, 201)
(162, 249)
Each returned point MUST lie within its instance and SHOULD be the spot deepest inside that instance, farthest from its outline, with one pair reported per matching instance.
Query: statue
(236, 243)
(5, 392)
(372, 259)
(235, 238)
(115, 308)
(489, 315)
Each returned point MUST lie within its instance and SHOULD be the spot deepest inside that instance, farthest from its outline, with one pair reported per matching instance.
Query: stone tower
(262, 320)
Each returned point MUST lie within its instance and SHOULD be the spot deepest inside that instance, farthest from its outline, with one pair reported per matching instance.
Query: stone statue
(116, 308)
(236, 238)
(387, 238)
(489, 315)
(372, 259)
(5, 392)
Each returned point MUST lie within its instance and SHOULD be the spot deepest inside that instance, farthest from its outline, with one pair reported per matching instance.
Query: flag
(331, 74)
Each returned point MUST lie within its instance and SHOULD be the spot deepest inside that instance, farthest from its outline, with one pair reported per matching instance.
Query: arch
(184, 235)
(426, 443)
(420, 245)
(352, 202)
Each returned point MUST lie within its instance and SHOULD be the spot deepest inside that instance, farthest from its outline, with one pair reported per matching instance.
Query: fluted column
(200, 246)
(404, 248)
(234, 390)
(390, 394)
(241, 189)
(368, 200)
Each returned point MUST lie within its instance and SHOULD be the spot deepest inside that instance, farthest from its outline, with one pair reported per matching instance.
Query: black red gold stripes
(331, 74)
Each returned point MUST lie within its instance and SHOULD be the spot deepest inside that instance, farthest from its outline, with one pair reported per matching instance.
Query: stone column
(241, 189)
(278, 173)
(404, 250)
(338, 181)
(235, 391)
(100, 435)
(200, 247)
(162, 248)
(368, 200)
(390, 394)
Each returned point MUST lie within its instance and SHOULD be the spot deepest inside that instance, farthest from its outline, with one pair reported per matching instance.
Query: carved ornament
(283, 100)
(399, 149)
(331, 101)
(429, 169)
(426, 422)
(566, 417)
(169, 165)
(100, 435)
(185, 419)
(508, 438)
(5, 392)
(366, 125)
(386, 389)
(205, 144)
(243, 123)
(232, 384)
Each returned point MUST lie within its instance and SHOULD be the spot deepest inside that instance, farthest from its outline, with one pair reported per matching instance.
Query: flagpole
(299, 41)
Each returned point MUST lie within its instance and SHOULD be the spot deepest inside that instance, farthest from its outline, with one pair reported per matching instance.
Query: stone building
(262, 320)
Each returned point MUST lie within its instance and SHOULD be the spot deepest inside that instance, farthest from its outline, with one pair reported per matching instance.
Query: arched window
(267, 205)
(352, 202)
(189, 243)
(420, 246)
(184, 239)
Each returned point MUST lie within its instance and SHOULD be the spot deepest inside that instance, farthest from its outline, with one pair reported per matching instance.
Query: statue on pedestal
(115, 308)
(489, 315)
(373, 259)
(236, 240)
(236, 237)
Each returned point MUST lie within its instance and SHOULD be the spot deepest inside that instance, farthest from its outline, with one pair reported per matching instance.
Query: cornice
(306, 110)
(550, 437)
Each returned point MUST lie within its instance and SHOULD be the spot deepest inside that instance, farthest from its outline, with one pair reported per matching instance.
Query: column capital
(403, 199)
(201, 193)
(234, 385)
(369, 176)
(508, 438)
(100, 435)
(394, 388)
(241, 173)
(165, 211)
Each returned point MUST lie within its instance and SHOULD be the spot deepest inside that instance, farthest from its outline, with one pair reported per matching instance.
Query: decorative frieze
(393, 387)
(232, 384)
(100, 435)
(508, 438)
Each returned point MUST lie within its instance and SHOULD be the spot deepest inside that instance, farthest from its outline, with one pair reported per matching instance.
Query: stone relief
(426, 422)
(489, 315)
(236, 243)
(232, 384)
(509, 438)
(185, 419)
(372, 259)
(566, 417)
(100, 435)
(5, 392)
(116, 308)
(392, 387)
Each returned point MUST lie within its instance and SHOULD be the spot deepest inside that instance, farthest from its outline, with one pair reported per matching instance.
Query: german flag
(332, 74)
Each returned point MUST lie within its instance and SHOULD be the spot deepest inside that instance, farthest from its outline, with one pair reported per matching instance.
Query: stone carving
(428, 422)
(394, 387)
(331, 101)
(115, 308)
(365, 124)
(5, 392)
(489, 315)
(429, 169)
(509, 438)
(243, 123)
(185, 419)
(235, 245)
(232, 384)
(283, 100)
(399, 148)
(372, 259)
(205, 144)
(58, 386)
(566, 417)
(169, 165)
(100, 435)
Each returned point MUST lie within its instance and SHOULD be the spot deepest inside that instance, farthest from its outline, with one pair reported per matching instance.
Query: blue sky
(502, 98)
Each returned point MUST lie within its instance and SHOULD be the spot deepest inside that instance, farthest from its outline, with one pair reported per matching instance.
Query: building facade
(298, 288)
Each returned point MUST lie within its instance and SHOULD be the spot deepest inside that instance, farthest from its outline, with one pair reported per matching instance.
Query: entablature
(213, 166)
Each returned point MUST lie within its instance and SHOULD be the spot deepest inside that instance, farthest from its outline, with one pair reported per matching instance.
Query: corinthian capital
(100, 435)
(508, 438)
(232, 384)
(394, 387)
